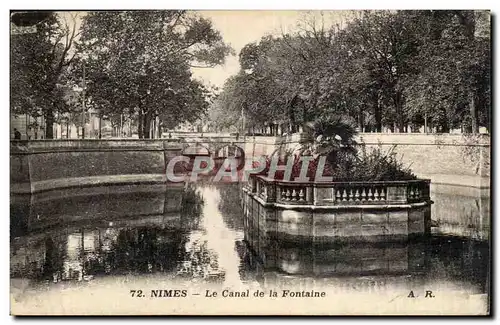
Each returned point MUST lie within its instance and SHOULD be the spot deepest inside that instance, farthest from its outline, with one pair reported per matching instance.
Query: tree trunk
(304, 118)
(483, 116)
(49, 124)
(468, 20)
(377, 113)
(361, 120)
(140, 132)
(399, 111)
(399, 121)
(473, 113)
(445, 126)
(100, 127)
(292, 122)
(146, 128)
(291, 114)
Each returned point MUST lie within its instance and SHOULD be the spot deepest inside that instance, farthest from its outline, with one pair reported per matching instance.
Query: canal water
(193, 236)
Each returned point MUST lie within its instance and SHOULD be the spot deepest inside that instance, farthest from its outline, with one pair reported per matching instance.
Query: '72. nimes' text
(226, 293)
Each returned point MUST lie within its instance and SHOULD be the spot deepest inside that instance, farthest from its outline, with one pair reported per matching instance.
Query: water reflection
(196, 233)
(137, 231)
(461, 212)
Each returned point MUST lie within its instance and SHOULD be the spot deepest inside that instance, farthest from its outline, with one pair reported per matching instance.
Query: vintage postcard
(182, 162)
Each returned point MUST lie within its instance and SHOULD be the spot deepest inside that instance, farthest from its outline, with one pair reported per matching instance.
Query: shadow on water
(459, 213)
(197, 231)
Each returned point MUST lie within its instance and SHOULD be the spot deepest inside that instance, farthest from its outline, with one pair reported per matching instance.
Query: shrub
(333, 137)
(376, 165)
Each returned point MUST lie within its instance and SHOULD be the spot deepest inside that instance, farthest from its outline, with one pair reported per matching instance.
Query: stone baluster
(382, 195)
(370, 194)
(337, 196)
(363, 195)
(344, 195)
(294, 195)
(356, 196)
(301, 195)
(375, 194)
(351, 195)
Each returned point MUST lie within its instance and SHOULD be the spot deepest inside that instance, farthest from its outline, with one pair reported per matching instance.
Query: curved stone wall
(37, 166)
(325, 215)
(99, 205)
(333, 224)
(452, 159)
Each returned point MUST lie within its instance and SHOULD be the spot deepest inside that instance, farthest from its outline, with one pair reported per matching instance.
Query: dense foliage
(399, 70)
(394, 69)
(139, 63)
(135, 63)
(373, 165)
(40, 70)
(345, 159)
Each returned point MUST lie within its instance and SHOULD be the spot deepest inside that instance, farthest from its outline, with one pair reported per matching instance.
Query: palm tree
(333, 137)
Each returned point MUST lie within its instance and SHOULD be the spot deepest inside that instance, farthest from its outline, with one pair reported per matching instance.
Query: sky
(239, 28)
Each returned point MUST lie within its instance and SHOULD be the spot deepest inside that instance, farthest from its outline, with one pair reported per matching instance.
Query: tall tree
(453, 86)
(388, 41)
(397, 69)
(39, 63)
(141, 60)
(223, 115)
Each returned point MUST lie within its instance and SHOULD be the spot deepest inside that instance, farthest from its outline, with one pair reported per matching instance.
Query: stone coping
(367, 138)
(337, 207)
(419, 139)
(328, 184)
(105, 189)
(47, 146)
(380, 193)
(88, 181)
(460, 180)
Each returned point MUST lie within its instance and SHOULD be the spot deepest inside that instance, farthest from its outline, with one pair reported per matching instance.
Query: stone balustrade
(339, 193)
(336, 211)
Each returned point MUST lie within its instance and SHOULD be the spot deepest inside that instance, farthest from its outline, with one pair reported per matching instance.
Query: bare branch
(200, 66)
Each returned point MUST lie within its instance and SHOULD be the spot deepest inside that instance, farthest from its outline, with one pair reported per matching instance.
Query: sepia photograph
(250, 162)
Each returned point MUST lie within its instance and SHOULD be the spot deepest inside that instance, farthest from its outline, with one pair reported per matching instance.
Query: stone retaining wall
(42, 165)
(452, 159)
(450, 154)
(45, 164)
